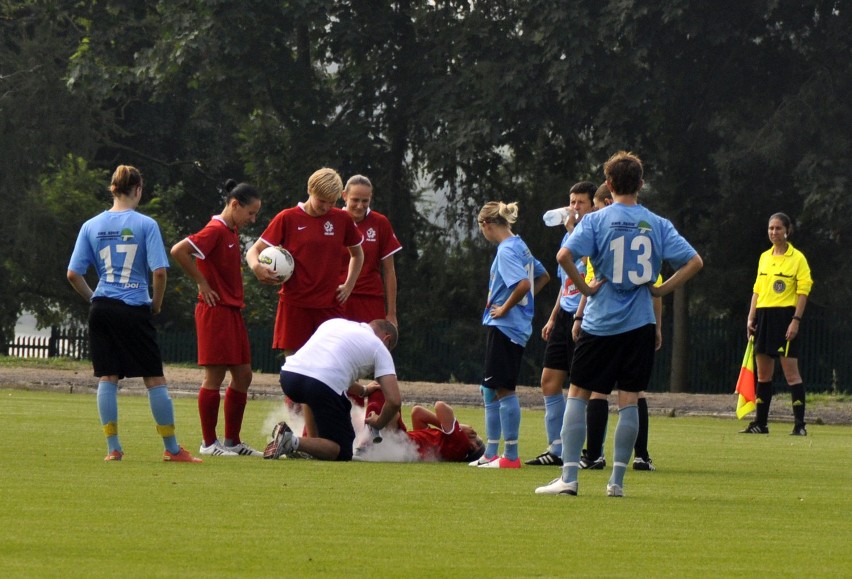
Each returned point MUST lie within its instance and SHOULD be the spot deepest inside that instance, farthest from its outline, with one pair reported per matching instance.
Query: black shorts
(330, 409)
(123, 340)
(502, 360)
(560, 344)
(771, 335)
(601, 362)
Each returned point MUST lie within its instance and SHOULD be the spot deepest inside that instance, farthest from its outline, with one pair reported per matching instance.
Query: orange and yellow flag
(745, 383)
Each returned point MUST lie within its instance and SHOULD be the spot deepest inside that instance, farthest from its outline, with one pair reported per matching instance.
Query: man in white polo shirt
(321, 373)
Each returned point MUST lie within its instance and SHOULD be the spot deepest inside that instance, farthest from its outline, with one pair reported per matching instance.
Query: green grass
(721, 504)
(55, 363)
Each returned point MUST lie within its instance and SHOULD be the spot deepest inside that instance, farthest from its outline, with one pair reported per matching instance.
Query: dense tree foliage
(739, 110)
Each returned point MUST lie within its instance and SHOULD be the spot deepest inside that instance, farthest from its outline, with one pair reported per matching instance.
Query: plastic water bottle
(555, 217)
(376, 434)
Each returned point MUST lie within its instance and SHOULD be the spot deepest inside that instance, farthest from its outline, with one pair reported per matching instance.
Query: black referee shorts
(771, 335)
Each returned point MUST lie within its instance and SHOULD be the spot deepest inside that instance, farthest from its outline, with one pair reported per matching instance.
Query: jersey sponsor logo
(230, 245)
(569, 289)
(301, 227)
(124, 234)
(329, 228)
(371, 234)
(643, 227)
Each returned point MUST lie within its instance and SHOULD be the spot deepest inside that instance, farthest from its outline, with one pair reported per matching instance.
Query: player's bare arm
(263, 274)
(551, 321)
(680, 277)
(356, 262)
(566, 260)
(78, 282)
(393, 402)
(182, 251)
(159, 286)
(498, 311)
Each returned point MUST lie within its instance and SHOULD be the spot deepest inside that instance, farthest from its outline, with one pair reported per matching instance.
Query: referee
(774, 318)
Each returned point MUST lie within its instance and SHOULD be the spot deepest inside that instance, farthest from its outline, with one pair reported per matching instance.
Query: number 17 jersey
(124, 247)
(627, 245)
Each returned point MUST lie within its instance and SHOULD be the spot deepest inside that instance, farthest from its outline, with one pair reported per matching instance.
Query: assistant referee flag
(745, 383)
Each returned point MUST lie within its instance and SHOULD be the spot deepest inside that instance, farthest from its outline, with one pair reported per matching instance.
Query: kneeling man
(319, 375)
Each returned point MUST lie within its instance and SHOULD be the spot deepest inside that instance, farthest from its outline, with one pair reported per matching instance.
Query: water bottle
(555, 217)
(376, 434)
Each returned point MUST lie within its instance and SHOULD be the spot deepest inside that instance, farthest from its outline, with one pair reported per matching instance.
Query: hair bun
(229, 185)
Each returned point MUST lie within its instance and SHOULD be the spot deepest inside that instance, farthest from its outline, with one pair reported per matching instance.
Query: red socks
(208, 411)
(235, 407)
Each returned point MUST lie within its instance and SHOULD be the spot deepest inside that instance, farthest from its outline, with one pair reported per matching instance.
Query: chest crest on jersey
(371, 234)
(329, 228)
(778, 286)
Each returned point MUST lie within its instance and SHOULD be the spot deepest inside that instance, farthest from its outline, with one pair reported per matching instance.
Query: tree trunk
(679, 378)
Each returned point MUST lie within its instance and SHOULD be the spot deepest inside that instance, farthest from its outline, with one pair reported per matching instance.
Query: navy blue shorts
(560, 344)
(601, 362)
(330, 409)
(123, 340)
(502, 360)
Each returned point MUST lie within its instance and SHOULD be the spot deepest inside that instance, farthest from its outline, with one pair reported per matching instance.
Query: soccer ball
(279, 261)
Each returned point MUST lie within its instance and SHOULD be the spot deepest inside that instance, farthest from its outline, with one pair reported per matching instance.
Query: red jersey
(219, 259)
(435, 444)
(379, 242)
(315, 244)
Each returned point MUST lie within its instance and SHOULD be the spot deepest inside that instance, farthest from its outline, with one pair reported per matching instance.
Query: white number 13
(640, 244)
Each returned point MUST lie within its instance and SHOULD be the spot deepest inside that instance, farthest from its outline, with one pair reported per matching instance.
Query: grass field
(721, 504)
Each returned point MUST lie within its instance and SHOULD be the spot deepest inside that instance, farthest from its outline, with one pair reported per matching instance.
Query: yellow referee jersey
(781, 278)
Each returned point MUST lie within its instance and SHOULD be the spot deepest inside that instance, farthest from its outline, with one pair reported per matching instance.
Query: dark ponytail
(242, 192)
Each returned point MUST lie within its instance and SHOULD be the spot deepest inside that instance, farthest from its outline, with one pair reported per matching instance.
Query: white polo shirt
(339, 353)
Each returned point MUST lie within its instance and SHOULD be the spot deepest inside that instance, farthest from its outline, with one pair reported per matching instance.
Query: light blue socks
(108, 410)
(625, 437)
(554, 412)
(164, 416)
(573, 437)
(510, 421)
(492, 421)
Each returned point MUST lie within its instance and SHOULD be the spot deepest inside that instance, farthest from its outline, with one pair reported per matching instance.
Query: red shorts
(295, 325)
(364, 308)
(222, 336)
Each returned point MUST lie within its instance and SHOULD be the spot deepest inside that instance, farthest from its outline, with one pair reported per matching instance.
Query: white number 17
(129, 249)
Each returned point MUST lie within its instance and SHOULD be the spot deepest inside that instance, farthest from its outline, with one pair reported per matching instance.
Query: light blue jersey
(569, 295)
(513, 263)
(124, 247)
(627, 245)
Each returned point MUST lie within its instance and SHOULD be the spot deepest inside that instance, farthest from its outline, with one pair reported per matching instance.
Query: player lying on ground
(437, 434)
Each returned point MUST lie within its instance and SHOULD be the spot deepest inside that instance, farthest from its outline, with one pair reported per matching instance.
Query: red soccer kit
(433, 443)
(220, 330)
(367, 300)
(315, 244)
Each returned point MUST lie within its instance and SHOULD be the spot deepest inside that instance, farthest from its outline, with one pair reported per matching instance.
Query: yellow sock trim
(166, 430)
(110, 429)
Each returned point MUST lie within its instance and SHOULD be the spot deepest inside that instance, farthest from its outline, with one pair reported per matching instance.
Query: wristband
(578, 318)
(797, 318)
